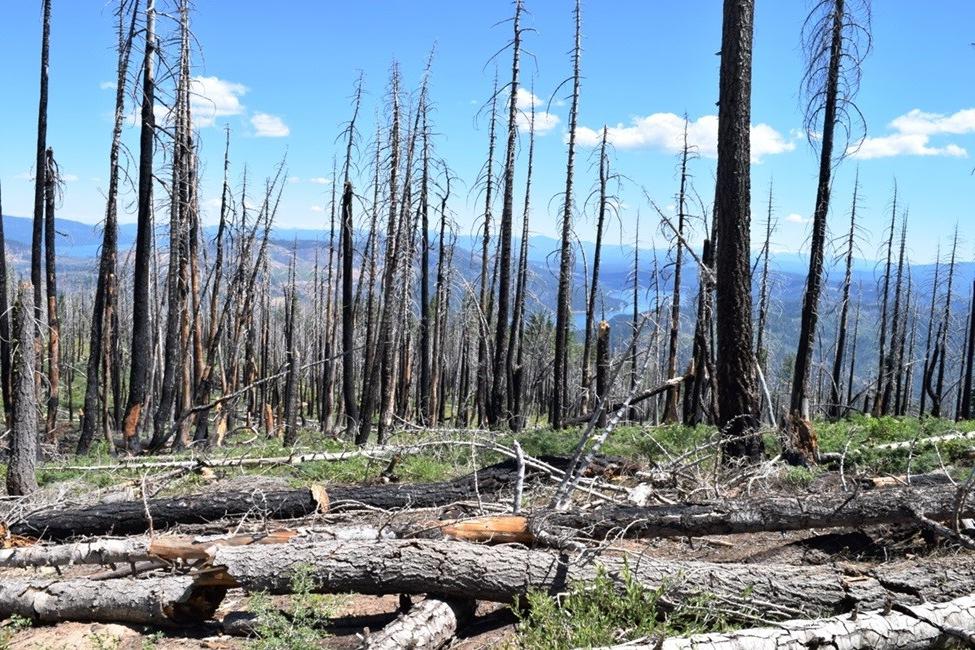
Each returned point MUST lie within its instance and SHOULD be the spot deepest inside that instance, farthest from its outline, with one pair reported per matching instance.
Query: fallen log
(137, 517)
(168, 548)
(503, 573)
(922, 442)
(916, 480)
(162, 601)
(891, 506)
(913, 628)
(870, 507)
(428, 625)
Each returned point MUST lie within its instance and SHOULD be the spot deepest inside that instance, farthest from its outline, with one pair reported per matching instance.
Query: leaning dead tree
(836, 38)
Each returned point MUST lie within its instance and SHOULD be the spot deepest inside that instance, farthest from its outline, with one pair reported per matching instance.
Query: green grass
(299, 627)
(603, 613)
(859, 434)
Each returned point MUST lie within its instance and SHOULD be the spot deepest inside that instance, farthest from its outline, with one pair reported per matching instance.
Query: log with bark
(161, 601)
(503, 573)
(907, 628)
(905, 505)
(136, 517)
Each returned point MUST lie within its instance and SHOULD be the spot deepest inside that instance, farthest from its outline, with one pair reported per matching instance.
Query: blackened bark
(564, 299)
(40, 167)
(51, 282)
(498, 404)
(805, 438)
(737, 394)
(6, 379)
(21, 477)
(594, 280)
(105, 290)
(348, 315)
(836, 404)
(141, 342)
(967, 388)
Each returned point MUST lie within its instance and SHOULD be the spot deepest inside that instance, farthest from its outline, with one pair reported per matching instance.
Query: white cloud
(107, 85)
(213, 97)
(665, 131)
(269, 126)
(525, 99)
(69, 178)
(320, 180)
(912, 135)
(797, 218)
(293, 179)
(317, 208)
(544, 122)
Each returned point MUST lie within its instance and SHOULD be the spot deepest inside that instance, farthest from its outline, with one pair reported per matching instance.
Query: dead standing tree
(106, 287)
(498, 412)
(564, 300)
(141, 356)
(6, 380)
(593, 292)
(52, 179)
(21, 478)
(673, 394)
(836, 402)
(836, 38)
(735, 367)
(40, 166)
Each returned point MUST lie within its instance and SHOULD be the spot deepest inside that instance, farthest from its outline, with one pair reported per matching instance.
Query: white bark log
(161, 601)
(929, 626)
(428, 625)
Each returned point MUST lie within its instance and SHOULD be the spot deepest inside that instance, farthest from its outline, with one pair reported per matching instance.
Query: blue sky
(280, 75)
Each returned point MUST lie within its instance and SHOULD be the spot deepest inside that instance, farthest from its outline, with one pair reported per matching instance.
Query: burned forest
(591, 337)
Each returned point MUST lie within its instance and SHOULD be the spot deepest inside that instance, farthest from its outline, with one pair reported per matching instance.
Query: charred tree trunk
(737, 393)
(51, 180)
(21, 477)
(673, 395)
(967, 388)
(836, 403)
(498, 413)
(485, 302)
(101, 335)
(40, 182)
(764, 290)
(805, 438)
(141, 356)
(291, 358)
(594, 281)
(564, 300)
(890, 374)
(6, 369)
(602, 372)
(885, 299)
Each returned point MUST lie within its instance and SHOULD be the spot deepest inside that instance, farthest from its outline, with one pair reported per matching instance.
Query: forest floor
(339, 621)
